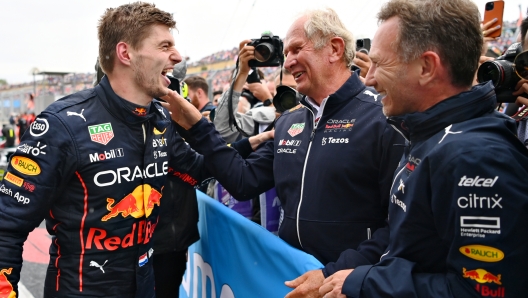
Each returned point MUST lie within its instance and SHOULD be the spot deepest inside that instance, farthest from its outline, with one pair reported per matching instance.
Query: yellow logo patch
(482, 253)
(25, 165)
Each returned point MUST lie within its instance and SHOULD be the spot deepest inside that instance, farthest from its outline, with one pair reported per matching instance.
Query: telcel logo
(482, 253)
(477, 181)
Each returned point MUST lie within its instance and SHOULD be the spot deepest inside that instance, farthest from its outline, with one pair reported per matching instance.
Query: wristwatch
(267, 102)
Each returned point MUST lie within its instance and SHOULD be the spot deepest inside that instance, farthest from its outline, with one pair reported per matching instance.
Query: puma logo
(368, 92)
(76, 114)
(448, 131)
(94, 264)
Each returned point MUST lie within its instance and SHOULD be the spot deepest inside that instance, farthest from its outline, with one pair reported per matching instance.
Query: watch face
(267, 102)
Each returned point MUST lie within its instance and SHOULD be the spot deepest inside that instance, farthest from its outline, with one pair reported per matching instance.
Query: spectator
(456, 212)
(330, 203)
(8, 132)
(198, 93)
(522, 87)
(216, 96)
(94, 164)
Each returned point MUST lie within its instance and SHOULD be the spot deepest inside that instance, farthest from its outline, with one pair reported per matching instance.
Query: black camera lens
(500, 72)
(521, 65)
(285, 99)
(490, 6)
(263, 52)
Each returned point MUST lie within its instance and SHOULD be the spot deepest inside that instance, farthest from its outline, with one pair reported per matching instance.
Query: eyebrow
(166, 41)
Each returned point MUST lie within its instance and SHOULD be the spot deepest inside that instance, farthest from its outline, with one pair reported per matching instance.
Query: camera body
(363, 45)
(268, 50)
(501, 72)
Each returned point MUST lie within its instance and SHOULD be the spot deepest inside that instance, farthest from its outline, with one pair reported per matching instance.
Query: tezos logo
(331, 140)
(39, 127)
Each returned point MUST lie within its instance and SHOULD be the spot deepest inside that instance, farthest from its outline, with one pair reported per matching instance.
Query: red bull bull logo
(6, 289)
(137, 204)
(140, 111)
(481, 276)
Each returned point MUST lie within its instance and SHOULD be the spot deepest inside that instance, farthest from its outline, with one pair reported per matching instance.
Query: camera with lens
(268, 50)
(286, 98)
(363, 45)
(504, 72)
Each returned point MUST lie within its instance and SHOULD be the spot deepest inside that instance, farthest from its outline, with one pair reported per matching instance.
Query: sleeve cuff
(354, 281)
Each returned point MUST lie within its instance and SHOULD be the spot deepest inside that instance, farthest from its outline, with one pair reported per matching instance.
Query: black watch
(267, 102)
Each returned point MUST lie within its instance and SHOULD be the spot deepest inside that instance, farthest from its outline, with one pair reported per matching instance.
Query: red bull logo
(486, 291)
(140, 111)
(137, 204)
(481, 276)
(6, 289)
(141, 233)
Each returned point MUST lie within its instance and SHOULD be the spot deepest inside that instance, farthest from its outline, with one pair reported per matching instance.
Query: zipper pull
(313, 134)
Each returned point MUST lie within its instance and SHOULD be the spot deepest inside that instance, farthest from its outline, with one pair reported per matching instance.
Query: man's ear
(430, 67)
(123, 53)
(337, 45)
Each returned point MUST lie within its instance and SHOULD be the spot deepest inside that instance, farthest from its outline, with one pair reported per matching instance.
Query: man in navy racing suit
(94, 163)
(332, 158)
(458, 205)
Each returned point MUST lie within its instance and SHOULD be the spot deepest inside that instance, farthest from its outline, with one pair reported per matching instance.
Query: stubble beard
(151, 87)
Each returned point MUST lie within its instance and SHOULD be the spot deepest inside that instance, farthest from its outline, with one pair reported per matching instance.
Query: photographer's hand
(363, 61)
(520, 88)
(260, 91)
(245, 54)
(182, 111)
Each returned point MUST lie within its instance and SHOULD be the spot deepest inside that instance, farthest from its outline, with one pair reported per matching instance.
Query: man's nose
(289, 62)
(176, 57)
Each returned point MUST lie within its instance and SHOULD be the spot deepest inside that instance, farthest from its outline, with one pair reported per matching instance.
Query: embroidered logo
(296, 129)
(101, 133)
(76, 114)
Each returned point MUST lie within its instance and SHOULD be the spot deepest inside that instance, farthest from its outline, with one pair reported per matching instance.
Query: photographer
(333, 156)
(256, 119)
(522, 87)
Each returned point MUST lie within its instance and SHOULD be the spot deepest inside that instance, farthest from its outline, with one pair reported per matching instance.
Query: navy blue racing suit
(458, 209)
(94, 170)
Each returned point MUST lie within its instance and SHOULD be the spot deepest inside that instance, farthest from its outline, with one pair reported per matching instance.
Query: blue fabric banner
(238, 258)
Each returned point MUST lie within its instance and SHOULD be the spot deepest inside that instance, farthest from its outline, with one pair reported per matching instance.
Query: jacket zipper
(144, 133)
(304, 172)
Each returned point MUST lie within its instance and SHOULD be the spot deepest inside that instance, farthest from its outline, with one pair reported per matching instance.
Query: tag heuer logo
(296, 129)
(101, 133)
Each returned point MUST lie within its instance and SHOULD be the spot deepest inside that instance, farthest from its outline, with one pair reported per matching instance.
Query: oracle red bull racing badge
(296, 129)
(101, 133)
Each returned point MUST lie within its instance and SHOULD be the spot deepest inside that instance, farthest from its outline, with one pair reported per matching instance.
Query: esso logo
(39, 127)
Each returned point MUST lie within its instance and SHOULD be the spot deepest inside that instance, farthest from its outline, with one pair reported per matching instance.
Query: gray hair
(322, 25)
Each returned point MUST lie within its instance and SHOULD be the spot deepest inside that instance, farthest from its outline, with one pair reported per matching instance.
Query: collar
(351, 88)
(113, 103)
(467, 105)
